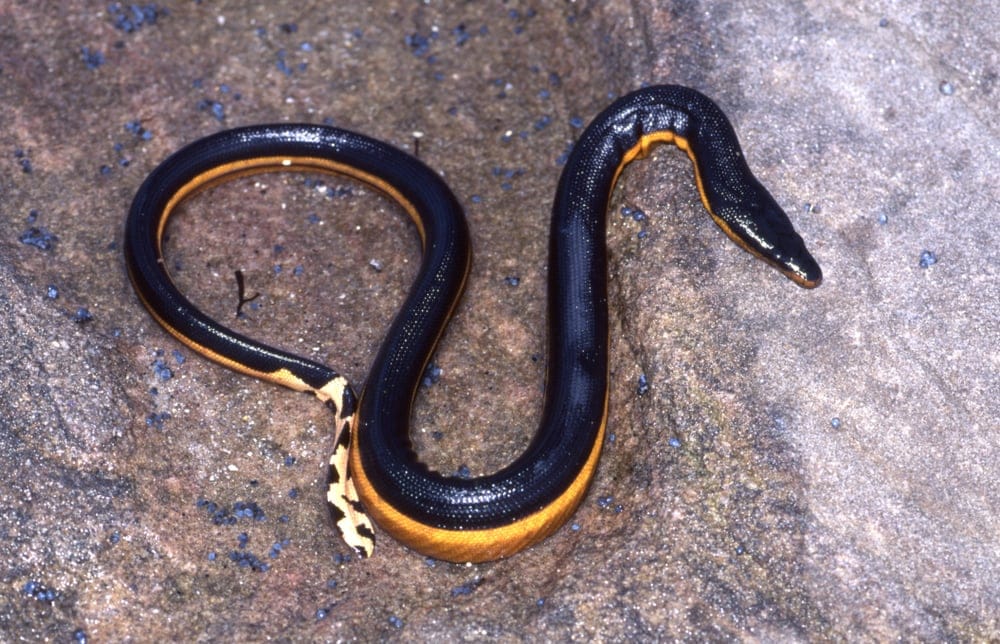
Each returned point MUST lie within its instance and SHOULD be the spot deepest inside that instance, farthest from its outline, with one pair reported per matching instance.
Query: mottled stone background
(804, 465)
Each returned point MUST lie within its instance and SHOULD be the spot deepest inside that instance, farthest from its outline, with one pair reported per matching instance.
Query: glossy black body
(577, 366)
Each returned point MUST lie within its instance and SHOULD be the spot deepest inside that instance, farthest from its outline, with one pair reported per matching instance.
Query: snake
(374, 470)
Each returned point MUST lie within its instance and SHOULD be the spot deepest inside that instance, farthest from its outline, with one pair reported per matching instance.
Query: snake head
(758, 224)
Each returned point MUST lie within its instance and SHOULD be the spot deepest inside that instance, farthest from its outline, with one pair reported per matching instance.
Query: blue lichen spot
(217, 109)
(248, 560)
(160, 368)
(23, 160)
(432, 374)
(643, 385)
(39, 591)
(131, 18)
(82, 316)
(465, 589)
(157, 420)
(136, 128)
(92, 58)
(419, 44)
(40, 238)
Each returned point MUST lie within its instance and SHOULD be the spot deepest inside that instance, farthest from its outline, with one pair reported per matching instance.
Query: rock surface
(804, 465)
